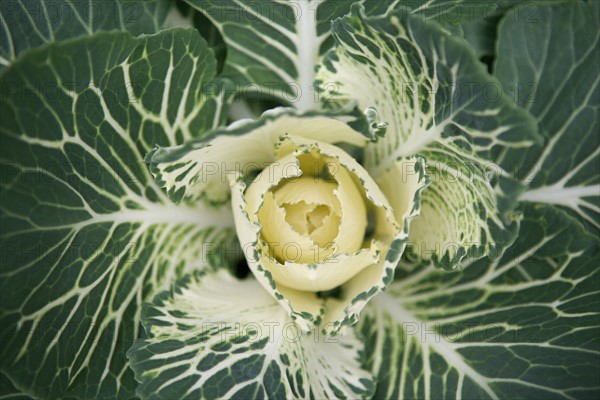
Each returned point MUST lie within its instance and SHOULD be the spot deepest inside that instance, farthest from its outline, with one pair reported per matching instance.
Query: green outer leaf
(206, 29)
(481, 35)
(475, 20)
(522, 326)
(272, 46)
(431, 90)
(447, 12)
(27, 24)
(218, 337)
(86, 234)
(9, 391)
(552, 67)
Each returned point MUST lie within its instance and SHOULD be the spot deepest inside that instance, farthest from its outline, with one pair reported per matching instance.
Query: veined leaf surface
(273, 46)
(523, 326)
(9, 391)
(86, 234)
(457, 11)
(433, 92)
(218, 337)
(553, 73)
(27, 24)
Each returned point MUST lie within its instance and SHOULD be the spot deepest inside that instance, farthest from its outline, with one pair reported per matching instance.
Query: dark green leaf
(551, 67)
(86, 234)
(27, 24)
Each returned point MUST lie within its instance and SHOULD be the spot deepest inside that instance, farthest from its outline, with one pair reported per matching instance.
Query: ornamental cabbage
(299, 199)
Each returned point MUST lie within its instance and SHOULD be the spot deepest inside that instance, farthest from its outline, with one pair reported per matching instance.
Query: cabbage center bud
(311, 217)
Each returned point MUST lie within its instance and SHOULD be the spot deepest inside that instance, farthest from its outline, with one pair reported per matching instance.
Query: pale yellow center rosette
(318, 232)
(321, 230)
(313, 224)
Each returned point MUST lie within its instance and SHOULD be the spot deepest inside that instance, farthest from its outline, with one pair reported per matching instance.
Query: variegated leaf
(524, 325)
(86, 234)
(218, 337)
(273, 46)
(439, 102)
